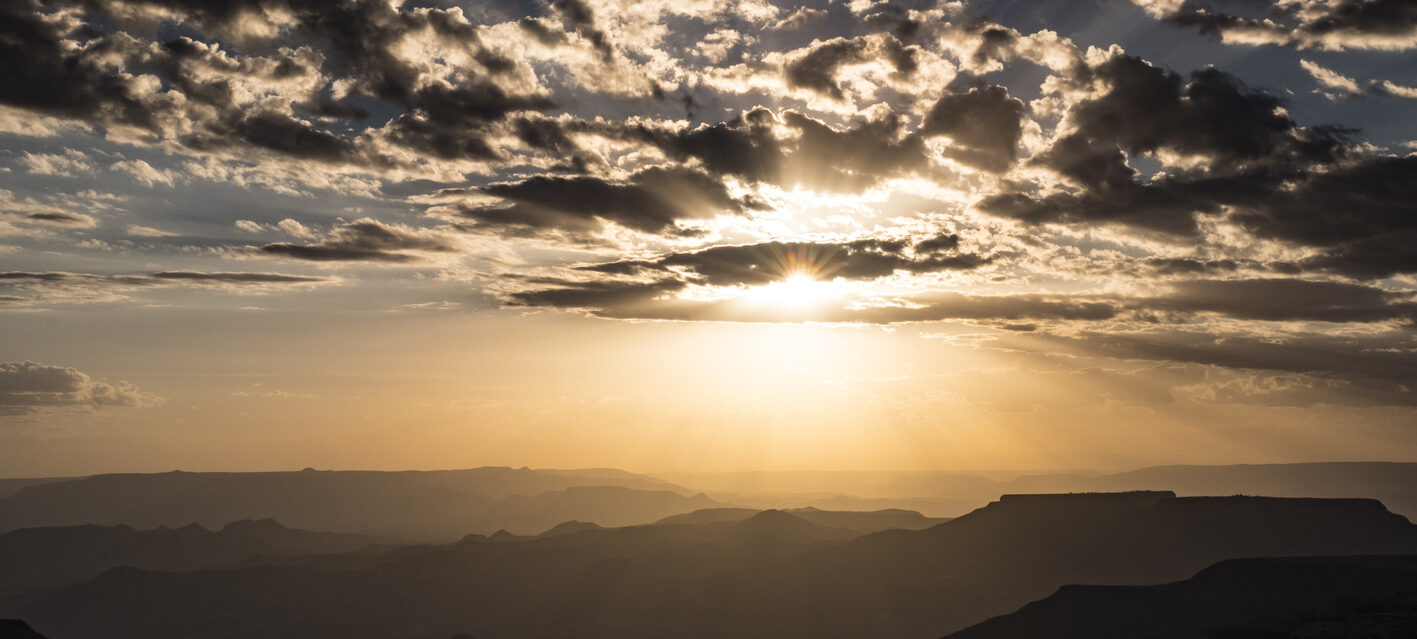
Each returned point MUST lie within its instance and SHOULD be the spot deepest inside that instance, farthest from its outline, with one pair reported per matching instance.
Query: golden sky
(713, 235)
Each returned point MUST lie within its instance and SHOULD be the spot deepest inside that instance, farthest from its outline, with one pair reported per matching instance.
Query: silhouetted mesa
(1370, 597)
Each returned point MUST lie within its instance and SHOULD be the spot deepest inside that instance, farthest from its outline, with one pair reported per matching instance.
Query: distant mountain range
(1331, 597)
(948, 494)
(408, 505)
(860, 522)
(774, 574)
(446, 505)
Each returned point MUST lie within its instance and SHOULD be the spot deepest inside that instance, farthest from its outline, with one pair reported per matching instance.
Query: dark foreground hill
(1335, 597)
(1021, 548)
(770, 576)
(414, 505)
(16, 629)
(36, 558)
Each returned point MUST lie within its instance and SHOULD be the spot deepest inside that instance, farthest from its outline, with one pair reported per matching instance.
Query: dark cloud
(365, 240)
(26, 387)
(995, 42)
(745, 147)
(1363, 214)
(543, 34)
(636, 300)
(1276, 300)
(544, 135)
(1247, 149)
(1288, 300)
(235, 278)
(814, 155)
(1154, 207)
(1371, 357)
(280, 133)
(653, 201)
(1341, 24)
(42, 72)
(579, 15)
(988, 308)
(984, 124)
(852, 159)
(763, 263)
(64, 219)
(28, 288)
(450, 122)
(893, 17)
(154, 279)
(86, 69)
(1190, 266)
(938, 243)
(816, 69)
(1212, 115)
(595, 295)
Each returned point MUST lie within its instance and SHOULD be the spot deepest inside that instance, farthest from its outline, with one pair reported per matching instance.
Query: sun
(799, 290)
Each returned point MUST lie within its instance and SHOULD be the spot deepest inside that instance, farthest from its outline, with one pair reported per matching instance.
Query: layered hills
(771, 575)
(38, 558)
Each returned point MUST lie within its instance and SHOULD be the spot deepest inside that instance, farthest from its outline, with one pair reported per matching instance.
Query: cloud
(224, 87)
(815, 68)
(763, 263)
(61, 80)
(364, 240)
(800, 17)
(143, 172)
(1288, 300)
(787, 149)
(653, 201)
(35, 288)
(27, 387)
(61, 218)
(135, 230)
(582, 19)
(984, 124)
(68, 164)
(657, 300)
(1389, 25)
(1369, 360)
(1337, 85)
(658, 292)
(1363, 215)
(1227, 145)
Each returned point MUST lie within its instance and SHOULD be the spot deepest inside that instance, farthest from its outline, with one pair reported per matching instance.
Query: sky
(706, 235)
